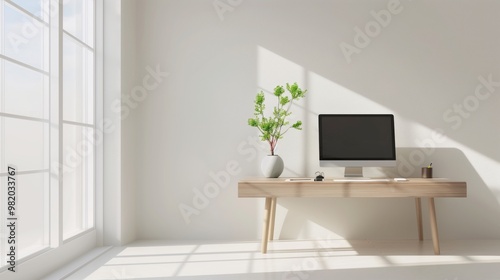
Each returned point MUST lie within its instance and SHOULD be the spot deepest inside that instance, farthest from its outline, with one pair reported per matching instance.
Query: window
(78, 116)
(47, 108)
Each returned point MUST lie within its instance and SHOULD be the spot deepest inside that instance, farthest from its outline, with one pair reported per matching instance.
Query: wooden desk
(272, 188)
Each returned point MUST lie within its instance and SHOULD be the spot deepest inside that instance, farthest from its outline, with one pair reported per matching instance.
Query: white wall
(119, 184)
(128, 133)
(423, 63)
(112, 143)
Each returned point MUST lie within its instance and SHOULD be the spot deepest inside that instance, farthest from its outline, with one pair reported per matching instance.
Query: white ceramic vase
(272, 166)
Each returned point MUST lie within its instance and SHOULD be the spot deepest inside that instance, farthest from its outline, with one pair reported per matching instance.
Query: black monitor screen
(356, 137)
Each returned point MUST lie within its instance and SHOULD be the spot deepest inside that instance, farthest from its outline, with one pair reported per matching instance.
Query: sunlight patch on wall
(273, 69)
(331, 98)
(410, 133)
(486, 167)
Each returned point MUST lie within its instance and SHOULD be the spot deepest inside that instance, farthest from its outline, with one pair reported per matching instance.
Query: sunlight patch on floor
(157, 259)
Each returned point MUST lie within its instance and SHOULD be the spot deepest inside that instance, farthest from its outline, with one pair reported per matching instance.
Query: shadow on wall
(474, 217)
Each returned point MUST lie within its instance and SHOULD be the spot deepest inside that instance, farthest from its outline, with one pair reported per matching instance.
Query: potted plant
(273, 128)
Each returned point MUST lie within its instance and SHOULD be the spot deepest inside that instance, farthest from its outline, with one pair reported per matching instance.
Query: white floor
(297, 260)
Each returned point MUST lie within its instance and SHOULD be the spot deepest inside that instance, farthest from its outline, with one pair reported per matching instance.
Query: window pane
(32, 210)
(28, 48)
(25, 144)
(26, 39)
(79, 19)
(78, 82)
(26, 92)
(78, 180)
(32, 6)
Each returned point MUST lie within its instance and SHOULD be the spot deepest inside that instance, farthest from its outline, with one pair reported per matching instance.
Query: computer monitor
(355, 141)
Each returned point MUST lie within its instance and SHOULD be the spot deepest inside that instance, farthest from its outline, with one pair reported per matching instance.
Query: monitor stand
(353, 172)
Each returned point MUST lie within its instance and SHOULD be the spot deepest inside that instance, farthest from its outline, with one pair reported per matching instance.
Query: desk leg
(265, 224)
(272, 218)
(418, 204)
(435, 237)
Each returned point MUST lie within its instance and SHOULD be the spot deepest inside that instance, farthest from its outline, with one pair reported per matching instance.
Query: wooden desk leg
(434, 229)
(273, 216)
(265, 224)
(418, 204)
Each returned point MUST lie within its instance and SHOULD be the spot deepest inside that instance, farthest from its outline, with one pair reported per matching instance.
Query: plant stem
(286, 112)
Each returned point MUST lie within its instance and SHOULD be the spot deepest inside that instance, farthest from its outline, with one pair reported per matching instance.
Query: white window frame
(56, 122)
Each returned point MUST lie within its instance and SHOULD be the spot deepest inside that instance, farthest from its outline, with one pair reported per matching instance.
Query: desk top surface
(413, 187)
(331, 179)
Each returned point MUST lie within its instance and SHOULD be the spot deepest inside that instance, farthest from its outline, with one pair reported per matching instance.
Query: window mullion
(60, 87)
(85, 45)
(21, 117)
(79, 124)
(55, 107)
(24, 172)
(20, 63)
(98, 118)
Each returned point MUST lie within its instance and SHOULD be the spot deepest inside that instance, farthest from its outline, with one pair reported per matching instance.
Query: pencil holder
(426, 172)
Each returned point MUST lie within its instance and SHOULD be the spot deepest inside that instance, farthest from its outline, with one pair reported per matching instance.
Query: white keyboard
(363, 180)
(299, 179)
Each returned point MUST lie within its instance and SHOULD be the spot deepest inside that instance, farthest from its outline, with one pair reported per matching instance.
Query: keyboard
(363, 180)
(299, 179)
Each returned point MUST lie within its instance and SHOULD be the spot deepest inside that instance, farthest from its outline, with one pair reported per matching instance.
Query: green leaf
(259, 99)
(278, 90)
(297, 125)
(267, 125)
(300, 93)
(253, 122)
(292, 89)
(284, 100)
